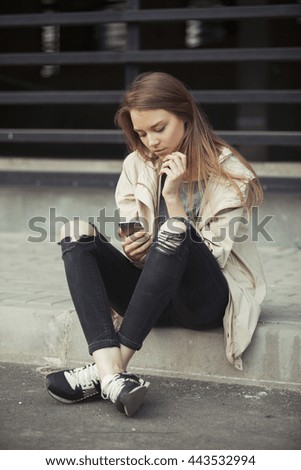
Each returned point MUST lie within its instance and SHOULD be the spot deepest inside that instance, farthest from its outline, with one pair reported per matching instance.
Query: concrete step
(109, 166)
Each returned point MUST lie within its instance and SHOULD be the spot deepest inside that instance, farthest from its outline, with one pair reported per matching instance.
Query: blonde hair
(158, 90)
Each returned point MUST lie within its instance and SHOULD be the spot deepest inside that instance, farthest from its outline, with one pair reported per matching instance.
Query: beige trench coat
(225, 228)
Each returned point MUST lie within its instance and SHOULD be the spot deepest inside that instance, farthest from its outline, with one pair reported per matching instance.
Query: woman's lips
(159, 151)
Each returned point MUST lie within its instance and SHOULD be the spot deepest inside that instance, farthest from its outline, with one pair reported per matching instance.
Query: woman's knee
(171, 235)
(75, 229)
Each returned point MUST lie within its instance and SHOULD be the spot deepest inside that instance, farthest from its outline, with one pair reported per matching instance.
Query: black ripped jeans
(182, 286)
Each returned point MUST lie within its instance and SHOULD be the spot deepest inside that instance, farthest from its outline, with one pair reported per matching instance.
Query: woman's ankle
(108, 362)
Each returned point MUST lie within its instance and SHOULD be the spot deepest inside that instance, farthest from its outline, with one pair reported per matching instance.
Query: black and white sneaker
(126, 390)
(70, 386)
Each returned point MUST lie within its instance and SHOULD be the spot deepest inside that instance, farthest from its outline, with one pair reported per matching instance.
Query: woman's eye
(142, 136)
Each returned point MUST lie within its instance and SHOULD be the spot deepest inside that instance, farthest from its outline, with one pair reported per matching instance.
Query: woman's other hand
(174, 167)
(137, 245)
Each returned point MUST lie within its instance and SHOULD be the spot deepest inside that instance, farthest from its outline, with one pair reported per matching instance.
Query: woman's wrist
(171, 198)
(175, 207)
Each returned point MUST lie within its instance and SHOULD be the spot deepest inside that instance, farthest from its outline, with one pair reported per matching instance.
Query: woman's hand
(136, 246)
(174, 166)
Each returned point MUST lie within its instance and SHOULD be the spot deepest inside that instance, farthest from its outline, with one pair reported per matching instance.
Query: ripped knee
(171, 235)
(75, 230)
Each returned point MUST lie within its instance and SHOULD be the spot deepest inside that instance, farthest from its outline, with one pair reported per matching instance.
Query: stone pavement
(177, 414)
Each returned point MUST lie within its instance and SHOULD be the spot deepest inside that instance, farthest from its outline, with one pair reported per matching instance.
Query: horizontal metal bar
(34, 178)
(262, 137)
(83, 136)
(247, 96)
(151, 15)
(62, 97)
(153, 56)
(92, 136)
(114, 97)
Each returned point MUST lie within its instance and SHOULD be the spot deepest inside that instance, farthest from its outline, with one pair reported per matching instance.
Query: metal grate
(133, 57)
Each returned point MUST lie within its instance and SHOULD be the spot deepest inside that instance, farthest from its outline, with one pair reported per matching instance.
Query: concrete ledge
(272, 359)
(54, 339)
(279, 176)
(35, 336)
(60, 165)
(201, 355)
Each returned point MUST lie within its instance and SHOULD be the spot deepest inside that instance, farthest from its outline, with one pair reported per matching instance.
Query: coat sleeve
(228, 223)
(125, 195)
(220, 233)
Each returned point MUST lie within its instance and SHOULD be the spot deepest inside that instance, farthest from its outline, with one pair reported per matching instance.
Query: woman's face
(160, 131)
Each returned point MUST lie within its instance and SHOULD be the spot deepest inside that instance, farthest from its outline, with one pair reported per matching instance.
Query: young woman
(192, 264)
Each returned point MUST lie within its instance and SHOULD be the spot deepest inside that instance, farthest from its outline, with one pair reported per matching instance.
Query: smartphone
(128, 228)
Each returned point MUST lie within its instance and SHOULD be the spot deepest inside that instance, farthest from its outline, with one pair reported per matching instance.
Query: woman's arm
(221, 231)
(174, 167)
(226, 221)
(137, 245)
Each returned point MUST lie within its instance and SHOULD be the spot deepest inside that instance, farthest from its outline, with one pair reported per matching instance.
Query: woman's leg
(157, 284)
(203, 294)
(164, 285)
(112, 360)
(99, 277)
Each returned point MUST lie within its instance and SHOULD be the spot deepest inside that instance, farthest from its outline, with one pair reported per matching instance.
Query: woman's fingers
(140, 253)
(177, 158)
(136, 238)
(176, 162)
(174, 166)
(136, 246)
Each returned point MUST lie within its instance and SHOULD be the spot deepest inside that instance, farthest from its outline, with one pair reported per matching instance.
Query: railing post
(132, 70)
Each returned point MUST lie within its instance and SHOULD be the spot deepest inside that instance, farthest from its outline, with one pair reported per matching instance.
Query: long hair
(158, 90)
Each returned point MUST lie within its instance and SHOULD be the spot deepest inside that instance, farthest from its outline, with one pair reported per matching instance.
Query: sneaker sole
(133, 400)
(70, 402)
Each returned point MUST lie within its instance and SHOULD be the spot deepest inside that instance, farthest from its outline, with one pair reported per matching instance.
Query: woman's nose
(153, 140)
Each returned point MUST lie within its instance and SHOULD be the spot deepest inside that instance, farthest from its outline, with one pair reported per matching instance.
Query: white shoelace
(82, 376)
(112, 385)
